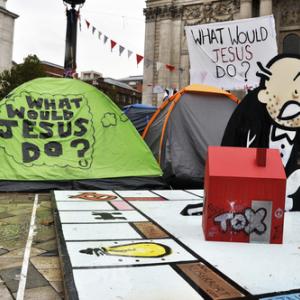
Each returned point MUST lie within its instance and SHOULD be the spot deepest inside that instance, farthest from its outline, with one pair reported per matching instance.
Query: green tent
(64, 133)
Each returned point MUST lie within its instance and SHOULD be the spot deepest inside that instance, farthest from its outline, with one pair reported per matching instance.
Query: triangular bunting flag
(181, 70)
(79, 24)
(93, 30)
(87, 24)
(139, 58)
(112, 44)
(121, 49)
(170, 68)
(158, 65)
(105, 39)
(99, 35)
(129, 53)
(147, 62)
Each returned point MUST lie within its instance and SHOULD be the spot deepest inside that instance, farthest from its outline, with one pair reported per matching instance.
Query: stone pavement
(44, 279)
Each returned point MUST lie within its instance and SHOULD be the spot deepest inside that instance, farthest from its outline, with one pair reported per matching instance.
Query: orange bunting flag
(139, 58)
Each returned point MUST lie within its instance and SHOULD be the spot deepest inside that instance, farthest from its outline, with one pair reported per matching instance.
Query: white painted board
(138, 194)
(260, 268)
(91, 232)
(176, 195)
(100, 216)
(133, 284)
(80, 205)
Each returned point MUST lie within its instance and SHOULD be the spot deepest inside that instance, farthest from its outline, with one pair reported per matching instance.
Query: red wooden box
(244, 199)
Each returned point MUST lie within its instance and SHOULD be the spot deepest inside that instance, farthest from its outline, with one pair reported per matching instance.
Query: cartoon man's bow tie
(279, 134)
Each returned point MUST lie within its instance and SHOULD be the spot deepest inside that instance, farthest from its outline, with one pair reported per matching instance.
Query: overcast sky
(40, 29)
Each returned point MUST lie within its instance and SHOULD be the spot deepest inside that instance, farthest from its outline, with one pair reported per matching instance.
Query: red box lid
(241, 162)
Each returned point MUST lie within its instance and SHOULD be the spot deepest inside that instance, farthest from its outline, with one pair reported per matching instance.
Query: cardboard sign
(225, 54)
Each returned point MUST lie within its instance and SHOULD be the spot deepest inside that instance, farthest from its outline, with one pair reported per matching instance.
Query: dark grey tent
(139, 115)
(183, 127)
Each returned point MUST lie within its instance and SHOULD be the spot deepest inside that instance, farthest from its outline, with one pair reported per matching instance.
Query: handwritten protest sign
(225, 54)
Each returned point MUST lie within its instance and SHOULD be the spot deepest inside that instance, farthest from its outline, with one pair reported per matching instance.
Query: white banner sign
(225, 54)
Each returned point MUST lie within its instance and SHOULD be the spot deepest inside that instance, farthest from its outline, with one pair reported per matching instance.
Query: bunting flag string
(139, 58)
(121, 49)
(129, 53)
(147, 62)
(112, 44)
(105, 39)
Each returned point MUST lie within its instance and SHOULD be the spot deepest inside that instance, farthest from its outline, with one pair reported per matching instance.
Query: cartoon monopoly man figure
(269, 116)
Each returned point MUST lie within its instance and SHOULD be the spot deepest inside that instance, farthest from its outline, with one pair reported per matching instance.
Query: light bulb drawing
(143, 249)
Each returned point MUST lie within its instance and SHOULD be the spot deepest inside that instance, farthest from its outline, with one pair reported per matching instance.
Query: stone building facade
(165, 39)
(7, 21)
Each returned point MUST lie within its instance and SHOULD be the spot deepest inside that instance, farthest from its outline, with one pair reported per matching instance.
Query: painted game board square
(97, 216)
(79, 232)
(89, 254)
(121, 205)
(199, 193)
(85, 196)
(91, 205)
(147, 283)
(176, 195)
(141, 195)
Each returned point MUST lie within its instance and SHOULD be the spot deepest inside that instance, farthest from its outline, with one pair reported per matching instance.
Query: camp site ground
(136, 245)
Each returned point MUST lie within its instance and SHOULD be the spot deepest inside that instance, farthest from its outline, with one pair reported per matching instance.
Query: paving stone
(46, 204)
(13, 244)
(51, 274)
(50, 253)
(20, 252)
(21, 197)
(58, 286)
(4, 215)
(44, 233)
(13, 235)
(10, 262)
(3, 251)
(45, 197)
(4, 292)
(34, 278)
(48, 246)
(45, 262)
(19, 220)
(24, 210)
(44, 293)
(11, 278)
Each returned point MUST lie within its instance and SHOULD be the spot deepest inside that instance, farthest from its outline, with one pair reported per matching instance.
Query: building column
(165, 53)
(148, 70)
(265, 7)
(246, 9)
(7, 21)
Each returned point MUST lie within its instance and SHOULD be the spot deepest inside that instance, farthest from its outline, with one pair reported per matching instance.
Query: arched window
(291, 44)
